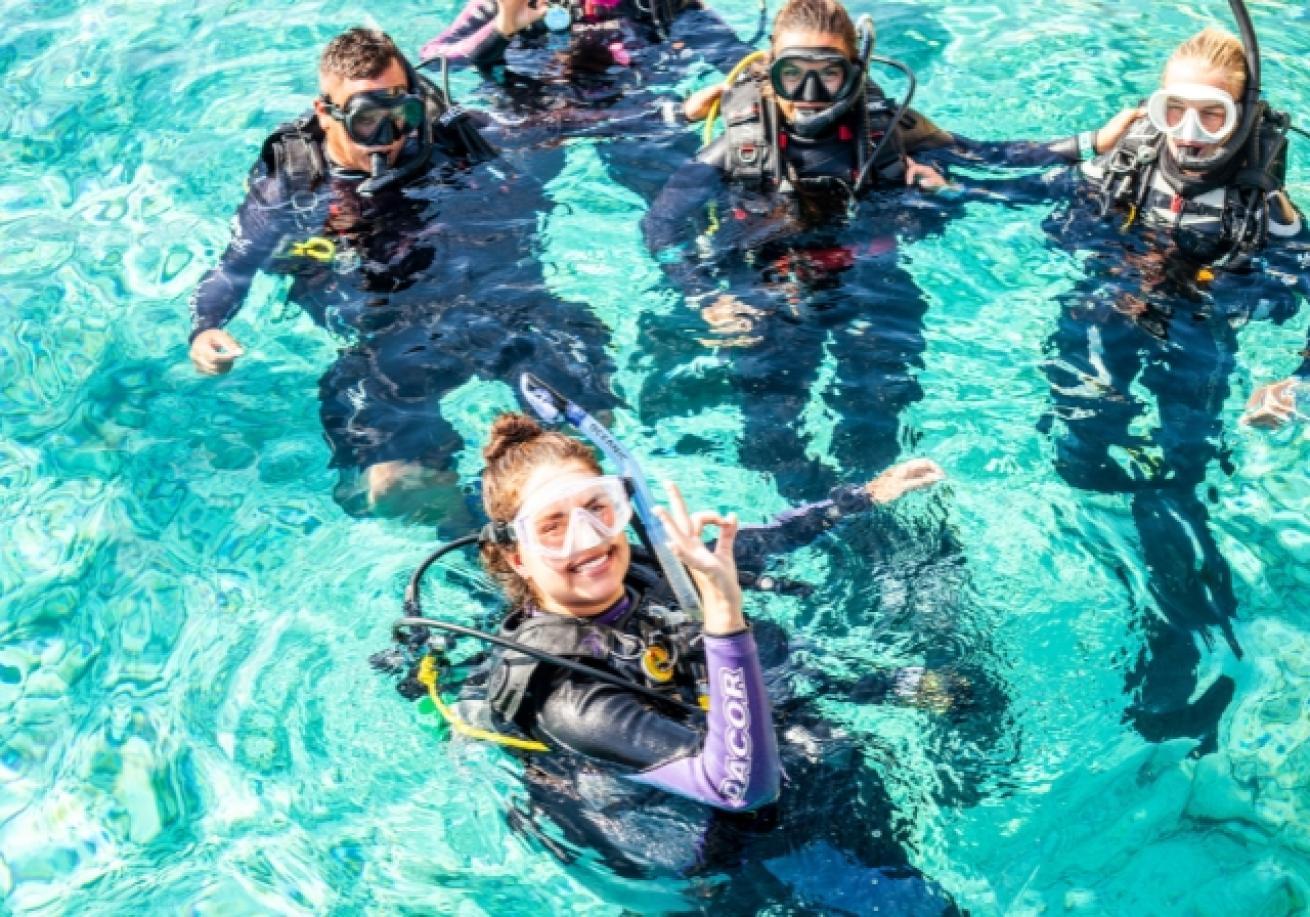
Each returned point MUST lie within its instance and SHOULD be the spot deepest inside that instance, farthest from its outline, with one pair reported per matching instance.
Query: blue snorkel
(552, 408)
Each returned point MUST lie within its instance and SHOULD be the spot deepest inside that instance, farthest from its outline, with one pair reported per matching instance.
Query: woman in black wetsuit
(785, 233)
(1186, 234)
(628, 771)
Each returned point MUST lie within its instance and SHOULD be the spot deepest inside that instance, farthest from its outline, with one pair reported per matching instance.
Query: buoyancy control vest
(293, 156)
(756, 155)
(294, 151)
(651, 645)
(1222, 218)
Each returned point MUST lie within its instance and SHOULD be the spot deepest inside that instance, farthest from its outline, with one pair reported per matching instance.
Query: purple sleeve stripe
(738, 766)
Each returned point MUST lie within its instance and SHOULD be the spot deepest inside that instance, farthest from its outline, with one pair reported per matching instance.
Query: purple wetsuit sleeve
(259, 225)
(738, 766)
(471, 39)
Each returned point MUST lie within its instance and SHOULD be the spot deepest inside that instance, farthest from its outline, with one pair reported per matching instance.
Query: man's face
(343, 150)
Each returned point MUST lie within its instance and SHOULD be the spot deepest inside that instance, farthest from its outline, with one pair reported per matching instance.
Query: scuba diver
(784, 232)
(602, 69)
(639, 702)
(1215, 242)
(1201, 176)
(351, 200)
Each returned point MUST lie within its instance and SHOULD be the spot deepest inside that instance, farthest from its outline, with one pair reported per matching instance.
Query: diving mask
(380, 117)
(1193, 113)
(823, 76)
(813, 75)
(573, 515)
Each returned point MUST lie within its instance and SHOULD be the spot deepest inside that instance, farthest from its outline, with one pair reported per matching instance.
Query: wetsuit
(632, 781)
(611, 77)
(427, 280)
(1159, 307)
(785, 278)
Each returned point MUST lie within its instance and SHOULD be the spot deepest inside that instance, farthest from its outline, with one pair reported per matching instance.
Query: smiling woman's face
(588, 581)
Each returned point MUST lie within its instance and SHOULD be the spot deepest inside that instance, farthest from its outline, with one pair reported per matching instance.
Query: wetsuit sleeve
(260, 223)
(1017, 154)
(668, 222)
(472, 38)
(797, 527)
(733, 764)
(703, 31)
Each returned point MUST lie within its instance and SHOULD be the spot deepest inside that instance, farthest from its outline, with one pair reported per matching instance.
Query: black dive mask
(793, 81)
(380, 117)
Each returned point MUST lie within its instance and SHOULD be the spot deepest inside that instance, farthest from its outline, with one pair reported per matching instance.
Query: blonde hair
(1218, 50)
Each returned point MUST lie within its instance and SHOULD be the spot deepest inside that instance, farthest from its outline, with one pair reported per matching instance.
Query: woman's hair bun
(508, 431)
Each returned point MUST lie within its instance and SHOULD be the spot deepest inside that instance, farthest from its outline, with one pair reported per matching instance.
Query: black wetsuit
(805, 277)
(611, 78)
(834, 815)
(1155, 308)
(431, 281)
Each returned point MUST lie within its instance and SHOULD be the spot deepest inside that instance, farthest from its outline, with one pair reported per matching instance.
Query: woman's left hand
(715, 572)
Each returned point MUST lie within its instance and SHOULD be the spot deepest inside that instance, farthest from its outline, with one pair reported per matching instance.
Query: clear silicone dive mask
(573, 515)
(1193, 113)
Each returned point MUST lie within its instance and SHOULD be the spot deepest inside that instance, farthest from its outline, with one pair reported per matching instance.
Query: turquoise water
(187, 721)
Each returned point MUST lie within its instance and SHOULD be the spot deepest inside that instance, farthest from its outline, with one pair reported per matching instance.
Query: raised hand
(515, 15)
(715, 572)
(1115, 128)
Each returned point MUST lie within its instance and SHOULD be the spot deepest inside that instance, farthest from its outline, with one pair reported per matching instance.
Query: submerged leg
(773, 379)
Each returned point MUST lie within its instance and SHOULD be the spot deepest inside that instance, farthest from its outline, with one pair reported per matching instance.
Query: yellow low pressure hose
(737, 71)
(427, 676)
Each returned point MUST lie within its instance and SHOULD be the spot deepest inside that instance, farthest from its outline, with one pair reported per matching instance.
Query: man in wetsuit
(352, 200)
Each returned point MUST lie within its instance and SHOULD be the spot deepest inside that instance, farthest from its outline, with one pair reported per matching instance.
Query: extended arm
(703, 31)
(482, 31)
(797, 527)
(257, 228)
(669, 220)
(1288, 262)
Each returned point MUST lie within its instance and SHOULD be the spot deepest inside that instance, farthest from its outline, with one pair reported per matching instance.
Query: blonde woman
(1187, 234)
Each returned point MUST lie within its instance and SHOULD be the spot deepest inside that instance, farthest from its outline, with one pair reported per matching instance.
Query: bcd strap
(511, 680)
(746, 129)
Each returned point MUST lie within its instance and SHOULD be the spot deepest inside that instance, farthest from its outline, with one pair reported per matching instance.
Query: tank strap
(648, 649)
(294, 153)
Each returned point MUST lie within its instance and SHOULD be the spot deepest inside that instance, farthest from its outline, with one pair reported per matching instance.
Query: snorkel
(554, 408)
